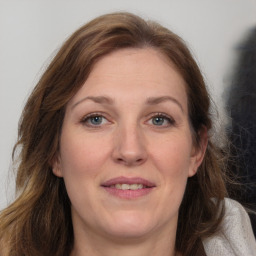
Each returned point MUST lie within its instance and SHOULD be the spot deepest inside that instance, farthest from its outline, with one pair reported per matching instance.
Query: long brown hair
(39, 220)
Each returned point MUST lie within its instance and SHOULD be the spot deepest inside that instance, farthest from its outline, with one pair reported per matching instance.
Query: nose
(129, 146)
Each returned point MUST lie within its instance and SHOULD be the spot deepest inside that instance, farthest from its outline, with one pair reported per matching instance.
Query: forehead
(140, 72)
(136, 61)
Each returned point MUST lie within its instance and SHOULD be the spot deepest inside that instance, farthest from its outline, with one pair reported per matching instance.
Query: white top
(236, 237)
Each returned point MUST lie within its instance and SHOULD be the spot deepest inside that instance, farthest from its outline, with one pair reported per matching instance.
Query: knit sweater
(235, 237)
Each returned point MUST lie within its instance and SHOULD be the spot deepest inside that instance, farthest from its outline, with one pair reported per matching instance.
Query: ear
(56, 168)
(198, 152)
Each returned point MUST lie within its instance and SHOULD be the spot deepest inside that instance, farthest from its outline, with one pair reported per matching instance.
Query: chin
(129, 226)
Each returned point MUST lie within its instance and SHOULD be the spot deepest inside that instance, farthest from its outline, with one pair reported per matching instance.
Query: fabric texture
(235, 237)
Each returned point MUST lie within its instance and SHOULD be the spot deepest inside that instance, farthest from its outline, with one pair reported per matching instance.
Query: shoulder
(235, 237)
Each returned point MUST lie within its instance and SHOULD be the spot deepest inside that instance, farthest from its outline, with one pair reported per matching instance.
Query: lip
(128, 194)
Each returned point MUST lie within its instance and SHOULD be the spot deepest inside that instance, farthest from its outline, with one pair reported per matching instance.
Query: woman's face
(126, 149)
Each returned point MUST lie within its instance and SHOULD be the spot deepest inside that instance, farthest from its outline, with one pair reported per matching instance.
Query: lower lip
(128, 194)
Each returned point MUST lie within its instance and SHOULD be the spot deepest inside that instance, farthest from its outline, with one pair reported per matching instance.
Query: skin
(129, 135)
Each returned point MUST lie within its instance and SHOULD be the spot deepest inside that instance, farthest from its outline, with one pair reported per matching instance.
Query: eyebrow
(98, 99)
(158, 100)
(109, 101)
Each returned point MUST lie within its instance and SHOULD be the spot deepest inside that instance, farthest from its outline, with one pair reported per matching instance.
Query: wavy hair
(39, 221)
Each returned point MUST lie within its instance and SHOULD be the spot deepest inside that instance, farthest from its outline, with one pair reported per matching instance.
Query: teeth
(136, 186)
(128, 186)
(125, 186)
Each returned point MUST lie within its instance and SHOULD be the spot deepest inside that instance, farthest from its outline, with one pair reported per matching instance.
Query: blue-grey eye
(161, 120)
(158, 120)
(96, 120)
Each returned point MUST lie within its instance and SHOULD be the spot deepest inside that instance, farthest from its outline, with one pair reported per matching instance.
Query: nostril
(126, 161)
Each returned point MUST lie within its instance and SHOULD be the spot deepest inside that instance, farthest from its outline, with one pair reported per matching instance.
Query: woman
(116, 157)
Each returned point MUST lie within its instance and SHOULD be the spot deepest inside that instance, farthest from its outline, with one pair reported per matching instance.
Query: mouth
(128, 188)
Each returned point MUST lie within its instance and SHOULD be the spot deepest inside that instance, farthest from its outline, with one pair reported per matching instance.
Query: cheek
(81, 162)
(172, 159)
(172, 156)
(83, 155)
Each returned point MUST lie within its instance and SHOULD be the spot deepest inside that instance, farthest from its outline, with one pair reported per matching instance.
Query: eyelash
(87, 118)
(167, 118)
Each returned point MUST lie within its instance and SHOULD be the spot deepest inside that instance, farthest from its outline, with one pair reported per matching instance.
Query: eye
(161, 120)
(94, 120)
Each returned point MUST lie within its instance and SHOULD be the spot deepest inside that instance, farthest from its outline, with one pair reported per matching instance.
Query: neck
(95, 245)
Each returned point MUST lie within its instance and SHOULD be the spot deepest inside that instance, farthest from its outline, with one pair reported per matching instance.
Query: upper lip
(126, 180)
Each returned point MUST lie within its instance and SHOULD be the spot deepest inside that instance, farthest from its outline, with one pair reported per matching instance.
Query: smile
(128, 188)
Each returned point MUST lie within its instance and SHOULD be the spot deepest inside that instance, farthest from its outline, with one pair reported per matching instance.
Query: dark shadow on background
(241, 104)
